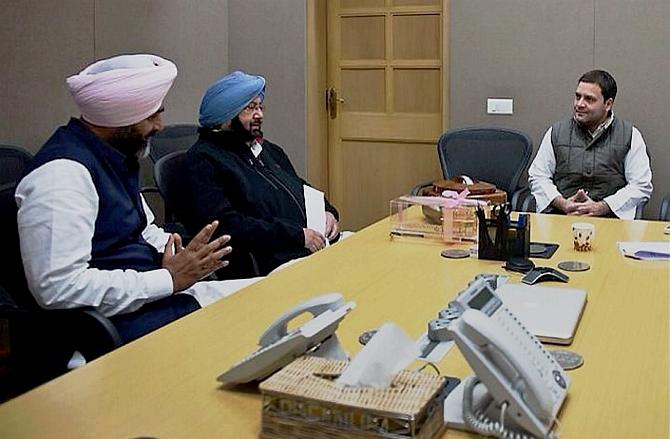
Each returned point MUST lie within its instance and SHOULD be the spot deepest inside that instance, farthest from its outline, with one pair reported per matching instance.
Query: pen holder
(500, 238)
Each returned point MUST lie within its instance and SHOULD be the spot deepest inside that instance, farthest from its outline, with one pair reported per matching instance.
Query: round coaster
(573, 266)
(568, 360)
(537, 249)
(365, 337)
(455, 253)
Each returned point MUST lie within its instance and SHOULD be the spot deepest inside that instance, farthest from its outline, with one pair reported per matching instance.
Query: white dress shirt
(58, 205)
(622, 203)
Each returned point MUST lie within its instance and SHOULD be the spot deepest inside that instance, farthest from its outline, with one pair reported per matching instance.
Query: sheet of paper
(645, 250)
(315, 207)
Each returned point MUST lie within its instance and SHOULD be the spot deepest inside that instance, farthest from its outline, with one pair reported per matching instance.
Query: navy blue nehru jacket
(117, 240)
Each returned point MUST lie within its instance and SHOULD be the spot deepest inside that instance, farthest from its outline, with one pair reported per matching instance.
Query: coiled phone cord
(481, 423)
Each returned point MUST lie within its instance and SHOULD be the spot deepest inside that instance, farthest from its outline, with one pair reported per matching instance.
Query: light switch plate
(500, 106)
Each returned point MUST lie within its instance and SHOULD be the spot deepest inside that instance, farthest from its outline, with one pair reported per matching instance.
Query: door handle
(331, 102)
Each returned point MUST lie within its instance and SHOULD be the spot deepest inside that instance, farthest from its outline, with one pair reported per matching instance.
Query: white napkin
(209, 292)
(388, 352)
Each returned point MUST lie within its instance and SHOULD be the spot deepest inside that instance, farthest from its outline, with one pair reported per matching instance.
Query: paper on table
(388, 352)
(315, 208)
(645, 250)
(209, 292)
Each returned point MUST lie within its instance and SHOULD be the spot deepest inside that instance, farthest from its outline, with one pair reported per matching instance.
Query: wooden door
(386, 67)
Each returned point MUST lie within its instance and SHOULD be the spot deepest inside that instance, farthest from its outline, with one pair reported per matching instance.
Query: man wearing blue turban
(248, 183)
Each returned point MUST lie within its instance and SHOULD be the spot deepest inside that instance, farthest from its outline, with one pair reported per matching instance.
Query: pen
(408, 233)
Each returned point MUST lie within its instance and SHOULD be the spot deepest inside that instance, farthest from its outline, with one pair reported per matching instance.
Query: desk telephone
(278, 346)
(519, 387)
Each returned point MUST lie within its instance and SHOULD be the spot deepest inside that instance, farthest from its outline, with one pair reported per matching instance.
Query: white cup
(583, 235)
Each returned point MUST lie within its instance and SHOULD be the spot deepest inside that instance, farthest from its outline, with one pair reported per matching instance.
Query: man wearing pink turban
(87, 235)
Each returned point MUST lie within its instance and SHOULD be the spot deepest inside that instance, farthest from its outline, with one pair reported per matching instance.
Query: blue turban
(228, 96)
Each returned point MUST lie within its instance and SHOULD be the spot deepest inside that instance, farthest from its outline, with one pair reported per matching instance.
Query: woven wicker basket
(303, 401)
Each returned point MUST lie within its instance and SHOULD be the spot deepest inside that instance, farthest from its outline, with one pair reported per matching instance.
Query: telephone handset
(314, 306)
(522, 379)
(278, 346)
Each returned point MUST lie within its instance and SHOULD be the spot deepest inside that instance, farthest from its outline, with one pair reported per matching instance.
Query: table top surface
(164, 385)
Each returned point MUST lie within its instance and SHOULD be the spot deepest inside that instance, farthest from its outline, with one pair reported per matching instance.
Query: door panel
(364, 89)
(409, 98)
(362, 38)
(361, 3)
(374, 164)
(385, 61)
(417, 2)
(416, 36)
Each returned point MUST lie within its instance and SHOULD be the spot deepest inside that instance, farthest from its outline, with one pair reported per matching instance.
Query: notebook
(550, 313)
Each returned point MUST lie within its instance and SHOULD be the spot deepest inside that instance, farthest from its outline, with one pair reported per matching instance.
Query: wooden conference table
(163, 385)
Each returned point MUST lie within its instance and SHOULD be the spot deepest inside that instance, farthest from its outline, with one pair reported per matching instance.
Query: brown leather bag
(478, 189)
(459, 184)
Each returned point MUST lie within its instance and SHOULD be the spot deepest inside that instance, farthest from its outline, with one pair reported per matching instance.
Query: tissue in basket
(303, 401)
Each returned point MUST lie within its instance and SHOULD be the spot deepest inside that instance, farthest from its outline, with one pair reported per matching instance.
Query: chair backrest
(496, 155)
(664, 212)
(13, 278)
(13, 160)
(169, 178)
(178, 137)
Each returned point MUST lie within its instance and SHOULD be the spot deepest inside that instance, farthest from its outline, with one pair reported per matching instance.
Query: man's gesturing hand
(199, 258)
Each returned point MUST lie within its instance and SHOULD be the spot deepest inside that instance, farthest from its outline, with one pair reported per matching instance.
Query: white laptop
(551, 313)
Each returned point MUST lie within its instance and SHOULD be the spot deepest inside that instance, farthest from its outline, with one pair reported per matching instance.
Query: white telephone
(278, 347)
(517, 380)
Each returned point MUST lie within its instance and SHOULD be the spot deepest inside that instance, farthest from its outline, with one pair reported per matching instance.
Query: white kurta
(58, 205)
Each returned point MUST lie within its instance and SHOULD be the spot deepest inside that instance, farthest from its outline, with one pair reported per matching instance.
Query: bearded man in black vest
(87, 235)
(593, 164)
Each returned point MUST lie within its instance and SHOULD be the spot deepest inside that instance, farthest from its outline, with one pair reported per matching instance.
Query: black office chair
(172, 138)
(664, 212)
(169, 176)
(13, 160)
(178, 137)
(639, 210)
(523, 200)
(40, 342)
(496, 155)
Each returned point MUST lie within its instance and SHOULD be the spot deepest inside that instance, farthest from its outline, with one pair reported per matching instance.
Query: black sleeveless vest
(595, 165)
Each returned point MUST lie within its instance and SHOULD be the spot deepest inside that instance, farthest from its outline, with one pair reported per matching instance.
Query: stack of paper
(646, 250)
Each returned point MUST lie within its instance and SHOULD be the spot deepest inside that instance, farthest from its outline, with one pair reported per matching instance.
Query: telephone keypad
(538, 355)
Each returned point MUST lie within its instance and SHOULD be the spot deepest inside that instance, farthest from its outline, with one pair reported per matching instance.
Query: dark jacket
(258, 201)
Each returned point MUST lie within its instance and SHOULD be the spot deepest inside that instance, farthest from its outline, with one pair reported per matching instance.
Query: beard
(245, 134)
(131, 142)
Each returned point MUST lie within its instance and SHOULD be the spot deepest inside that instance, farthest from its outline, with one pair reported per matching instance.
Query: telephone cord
(482, 424)
(431, 364)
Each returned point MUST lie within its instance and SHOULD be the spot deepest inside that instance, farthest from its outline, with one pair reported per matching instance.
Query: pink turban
(123, 90)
